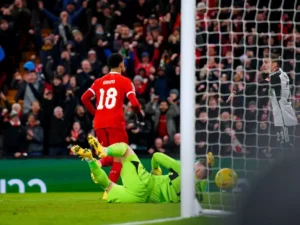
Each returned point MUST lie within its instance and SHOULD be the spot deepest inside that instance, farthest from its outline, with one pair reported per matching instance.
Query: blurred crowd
(83, 34)
(234, 40)
(232, 36)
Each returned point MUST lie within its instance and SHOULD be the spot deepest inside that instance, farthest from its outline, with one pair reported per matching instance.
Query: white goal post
(187, 107)
(190, 206)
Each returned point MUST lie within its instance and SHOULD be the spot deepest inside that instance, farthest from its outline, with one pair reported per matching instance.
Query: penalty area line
(150, 221)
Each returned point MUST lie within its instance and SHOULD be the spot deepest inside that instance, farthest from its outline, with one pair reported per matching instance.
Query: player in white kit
(280, 97)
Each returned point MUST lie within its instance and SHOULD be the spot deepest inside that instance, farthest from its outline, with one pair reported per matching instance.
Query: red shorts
(108, 136)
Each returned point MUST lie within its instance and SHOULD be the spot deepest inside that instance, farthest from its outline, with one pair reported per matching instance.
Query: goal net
(231, 37)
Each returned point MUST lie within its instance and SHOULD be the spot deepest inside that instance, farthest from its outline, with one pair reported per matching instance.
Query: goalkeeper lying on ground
(138, 184)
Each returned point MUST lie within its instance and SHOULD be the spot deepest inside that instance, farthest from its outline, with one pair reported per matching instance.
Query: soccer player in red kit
(109, 122)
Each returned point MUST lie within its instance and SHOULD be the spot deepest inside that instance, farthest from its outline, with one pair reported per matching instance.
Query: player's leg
(116, 136)
(292, 134)
(284, 141)
(102, 137)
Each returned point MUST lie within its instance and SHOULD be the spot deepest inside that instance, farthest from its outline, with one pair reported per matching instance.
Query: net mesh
(231, 38)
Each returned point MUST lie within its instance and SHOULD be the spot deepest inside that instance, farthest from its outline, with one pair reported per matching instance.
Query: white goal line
(205, 212)
(151, 221)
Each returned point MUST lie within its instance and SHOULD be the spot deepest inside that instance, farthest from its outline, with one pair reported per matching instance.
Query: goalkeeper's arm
(160, 159)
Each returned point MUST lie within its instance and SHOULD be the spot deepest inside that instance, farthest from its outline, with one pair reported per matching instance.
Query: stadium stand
(52, 51)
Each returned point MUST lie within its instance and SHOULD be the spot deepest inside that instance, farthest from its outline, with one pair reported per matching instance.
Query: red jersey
(110, 92)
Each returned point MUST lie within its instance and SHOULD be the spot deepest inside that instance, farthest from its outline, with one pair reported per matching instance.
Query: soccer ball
(226, 179)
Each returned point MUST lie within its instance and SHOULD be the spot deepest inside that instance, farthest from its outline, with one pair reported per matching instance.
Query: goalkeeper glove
(157, 171)
(210, 159)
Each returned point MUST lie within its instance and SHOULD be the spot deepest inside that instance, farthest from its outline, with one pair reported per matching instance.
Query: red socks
(107, 161)
(115, 171)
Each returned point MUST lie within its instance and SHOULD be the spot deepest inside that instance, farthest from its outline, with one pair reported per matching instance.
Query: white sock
(88, 160)
(105, 149)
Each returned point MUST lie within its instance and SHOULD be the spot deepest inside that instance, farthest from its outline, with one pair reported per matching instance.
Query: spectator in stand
(174, 42)
(160, 84)
(251, 119)
(17, 108)
(58, 133)
(45, 46)
(59, 71)
(158, 146)
(239, 131)
(7, 43)
(141, 87)
(59, 91)
(174, 96)
(202, 124)
(35, 136)
(81, 43)
(34, 110)
(69, 60)
(83, 118)
(76, 136)
(139, 135)
(14, 135)
(95, 64)
(173, 74)
(145, 58)
(31, 88)
(7, 106)
(225, 126)
(263, 140)
(66, 19)
(164, 123)
(72, 86)
(85, 76)
(173, 147)
(21, 16)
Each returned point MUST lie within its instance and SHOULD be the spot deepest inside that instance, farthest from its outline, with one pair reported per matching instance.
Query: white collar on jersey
(279, 69)
(114, 73)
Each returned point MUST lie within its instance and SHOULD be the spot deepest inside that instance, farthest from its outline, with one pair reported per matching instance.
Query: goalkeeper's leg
(113, 159)
(118, 150)
(116, 193)
(99, 176)
(134, 176)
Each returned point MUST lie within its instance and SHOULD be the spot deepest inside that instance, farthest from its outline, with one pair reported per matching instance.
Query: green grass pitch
(87, 208)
